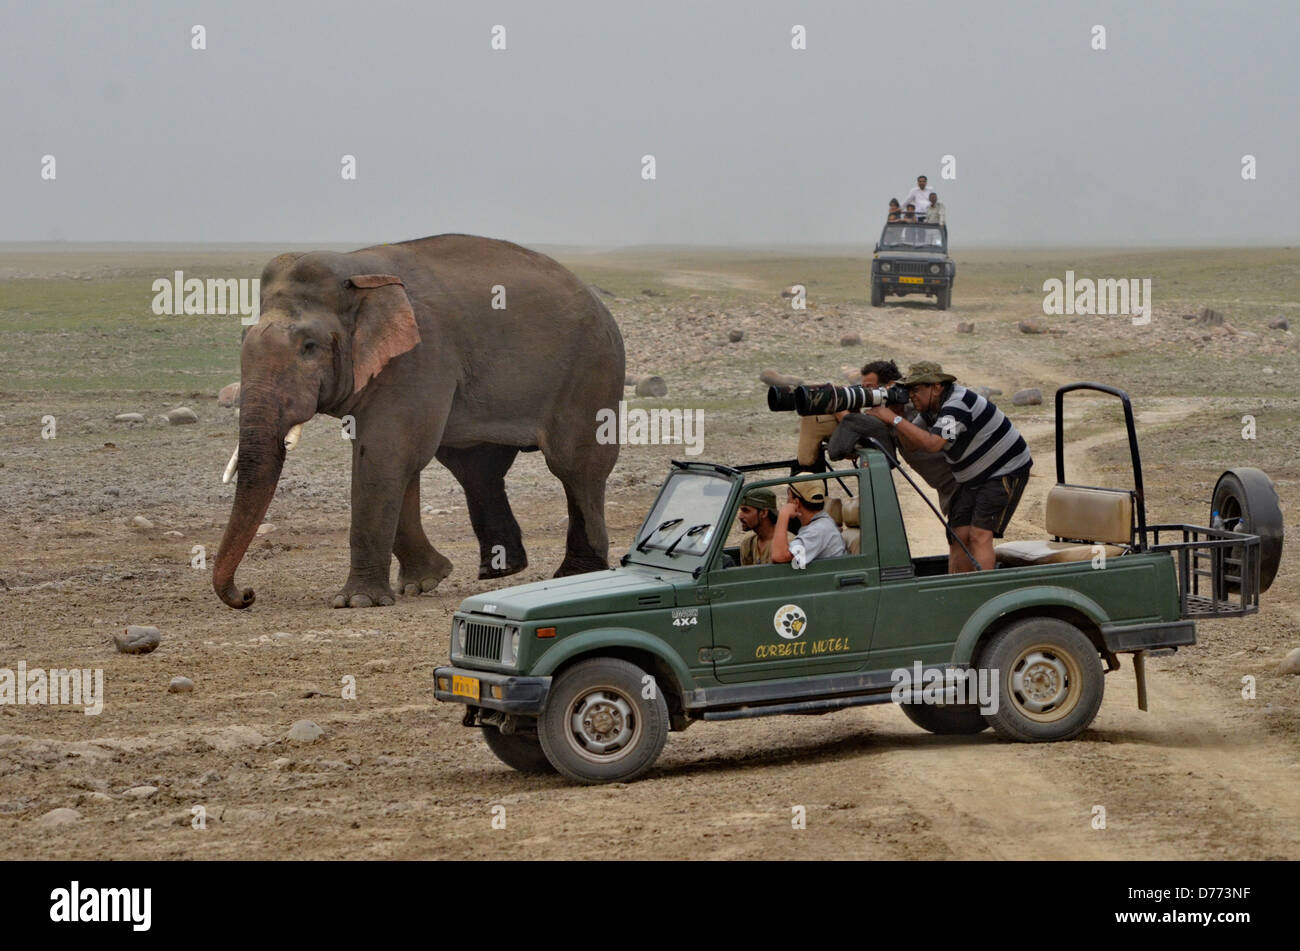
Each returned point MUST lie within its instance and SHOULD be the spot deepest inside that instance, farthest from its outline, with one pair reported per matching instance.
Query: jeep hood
(615, 590)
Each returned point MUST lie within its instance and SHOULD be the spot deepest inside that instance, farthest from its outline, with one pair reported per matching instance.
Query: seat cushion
(835, 509)
(1099, 515)
(849, 513)
(852, 540)
(1020, 554)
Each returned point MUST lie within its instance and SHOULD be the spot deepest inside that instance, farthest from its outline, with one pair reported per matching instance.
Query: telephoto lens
(825, 399)
(780, 399)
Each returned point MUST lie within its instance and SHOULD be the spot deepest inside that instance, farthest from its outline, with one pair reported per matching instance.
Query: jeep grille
(911, 267)
(483, 640)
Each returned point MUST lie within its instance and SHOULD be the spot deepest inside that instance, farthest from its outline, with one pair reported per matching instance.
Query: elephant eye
(309, 346)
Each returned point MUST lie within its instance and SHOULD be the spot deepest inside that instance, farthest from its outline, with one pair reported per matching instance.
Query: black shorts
(989, 504)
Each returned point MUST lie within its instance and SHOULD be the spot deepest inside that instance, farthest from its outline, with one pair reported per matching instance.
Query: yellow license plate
(465, 687)
(911, 280)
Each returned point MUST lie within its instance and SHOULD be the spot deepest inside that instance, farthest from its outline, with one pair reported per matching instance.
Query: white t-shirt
(920, 197)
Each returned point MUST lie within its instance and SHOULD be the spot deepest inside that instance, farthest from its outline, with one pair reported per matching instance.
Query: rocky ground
(1205, 774)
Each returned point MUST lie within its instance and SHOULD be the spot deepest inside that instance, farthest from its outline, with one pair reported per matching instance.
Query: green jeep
(588, 674)
(912, 258)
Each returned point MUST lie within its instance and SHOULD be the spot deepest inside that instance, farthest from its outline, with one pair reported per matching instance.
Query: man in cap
(856, 428)
(819, 536)
(989, 457)
(757, 516)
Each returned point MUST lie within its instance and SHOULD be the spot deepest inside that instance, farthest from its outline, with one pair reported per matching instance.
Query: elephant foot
(358, 594)
(487, 571)
(424, 575)
(580, 566)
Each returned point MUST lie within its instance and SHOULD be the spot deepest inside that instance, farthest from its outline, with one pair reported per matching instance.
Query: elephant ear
(385, 325)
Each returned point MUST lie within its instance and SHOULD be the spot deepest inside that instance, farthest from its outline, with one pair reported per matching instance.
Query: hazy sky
(754, 142)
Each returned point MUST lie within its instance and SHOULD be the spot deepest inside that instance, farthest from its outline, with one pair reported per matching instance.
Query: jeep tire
(877, 294)
(944, 297)
(1050, 680)
(599, 726)
(519, 751)
(946, 719)
(1247, 502)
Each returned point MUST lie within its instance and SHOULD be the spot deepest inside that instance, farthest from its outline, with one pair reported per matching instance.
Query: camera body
(827, 398)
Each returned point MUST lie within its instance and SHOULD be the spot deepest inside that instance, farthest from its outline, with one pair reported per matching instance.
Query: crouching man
(989, 457)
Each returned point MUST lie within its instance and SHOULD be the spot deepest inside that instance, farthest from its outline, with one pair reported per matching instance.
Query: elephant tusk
(292, 438)
(230, 466)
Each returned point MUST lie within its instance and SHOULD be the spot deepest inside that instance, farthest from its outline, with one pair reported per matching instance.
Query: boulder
(229, 395)
(180, 685)
(304, 731)
(1291, 662)
(1279, 323)
(142, 523)
(773, 378)
(138, 639)
(181, 416)
(851, 340)
(648, 385)
(1032, 326)
(735, 336)
(965, 327)
(129, 418)
(1030, 397)
(58, 817)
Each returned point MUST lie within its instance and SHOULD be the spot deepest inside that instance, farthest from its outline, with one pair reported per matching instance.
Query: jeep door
(772, 621)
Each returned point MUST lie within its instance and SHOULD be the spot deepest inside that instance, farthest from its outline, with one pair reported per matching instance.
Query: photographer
(989, 457)
(855, 429)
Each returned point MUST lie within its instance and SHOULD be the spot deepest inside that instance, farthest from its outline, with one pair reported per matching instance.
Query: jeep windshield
(688, 515)
(904, 236)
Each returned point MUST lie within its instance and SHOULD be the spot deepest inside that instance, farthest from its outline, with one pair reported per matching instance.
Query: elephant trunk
(261, 457)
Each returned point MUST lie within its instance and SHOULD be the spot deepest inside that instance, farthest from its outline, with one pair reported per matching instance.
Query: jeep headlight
(934, 269)
(886, 266)
(510, 645)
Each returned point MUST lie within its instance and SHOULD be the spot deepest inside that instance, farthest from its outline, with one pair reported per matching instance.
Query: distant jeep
(912, 258)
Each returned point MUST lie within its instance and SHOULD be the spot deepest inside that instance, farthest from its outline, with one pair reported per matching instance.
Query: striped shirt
(981, 442)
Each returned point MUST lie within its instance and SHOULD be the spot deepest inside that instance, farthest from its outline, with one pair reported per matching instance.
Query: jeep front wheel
(519, 751)
(605, 721)
(944, 297)
(946, 719)
(1050, 680)
(877, 294)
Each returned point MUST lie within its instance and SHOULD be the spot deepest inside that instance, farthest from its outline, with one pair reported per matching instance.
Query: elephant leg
(420, 566)
(388, 453)
(481, 471)
(583, 469)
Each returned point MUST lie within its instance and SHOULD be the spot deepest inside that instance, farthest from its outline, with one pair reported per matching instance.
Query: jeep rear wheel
(947, 719)
(1050, 680)
(519, 751)
(877, 294)
(599, 726)
(944, 297)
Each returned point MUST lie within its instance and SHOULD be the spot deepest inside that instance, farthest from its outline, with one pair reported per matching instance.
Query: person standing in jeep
(989, 458)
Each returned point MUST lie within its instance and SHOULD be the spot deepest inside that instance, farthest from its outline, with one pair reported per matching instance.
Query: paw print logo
(790, 621)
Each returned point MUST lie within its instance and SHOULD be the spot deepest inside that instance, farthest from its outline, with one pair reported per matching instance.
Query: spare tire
(1247, 502)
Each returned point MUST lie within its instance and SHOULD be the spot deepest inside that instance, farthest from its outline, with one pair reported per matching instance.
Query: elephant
(459, 347)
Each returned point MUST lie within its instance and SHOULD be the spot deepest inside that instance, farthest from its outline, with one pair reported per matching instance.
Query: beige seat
(1087, 517)
(835, 509)
(851, 532)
